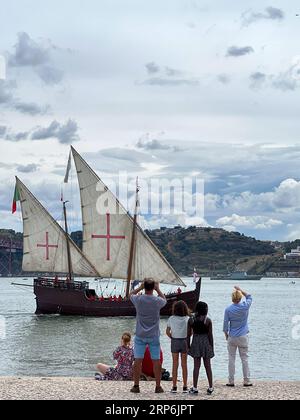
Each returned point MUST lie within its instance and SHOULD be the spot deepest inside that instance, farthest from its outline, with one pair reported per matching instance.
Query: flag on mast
(15, 200)
(196, 276)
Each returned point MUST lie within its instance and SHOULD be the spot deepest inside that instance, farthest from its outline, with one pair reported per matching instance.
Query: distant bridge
(6, 243)
(9, 248)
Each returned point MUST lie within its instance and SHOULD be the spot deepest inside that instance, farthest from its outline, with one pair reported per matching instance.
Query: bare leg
(184, 368)
(197, 365)
(209, 374)
(103, 369)
(157, 371)
(137, 370)
(175, 368)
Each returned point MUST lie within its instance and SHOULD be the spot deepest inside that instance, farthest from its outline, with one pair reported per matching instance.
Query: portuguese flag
(15, 200)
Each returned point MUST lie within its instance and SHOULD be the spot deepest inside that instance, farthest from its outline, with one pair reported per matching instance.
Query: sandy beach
(88, 389)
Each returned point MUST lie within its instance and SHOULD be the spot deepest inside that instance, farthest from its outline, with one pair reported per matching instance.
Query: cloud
(50, 75)
(159, 81)
(6, 165)
(257, 80)
(270, 13)
(167, 76)
(28, 53)
(152, 145)
(35, 55)
(283, 199)
(3, 130)
(155, 222)
(152, 68)
(8, 99)
(255, 222)
(235, 51)
(31, 108)
(65, 133)
(224, 79)
(16, 137)
(26, 169)
(6, 95)
(287, 80)
(173, 72)
(123, 154)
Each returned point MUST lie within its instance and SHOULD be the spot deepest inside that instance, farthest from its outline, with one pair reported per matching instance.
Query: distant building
(295, 253)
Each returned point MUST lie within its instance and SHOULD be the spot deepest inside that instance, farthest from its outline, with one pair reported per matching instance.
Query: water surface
(71, 346)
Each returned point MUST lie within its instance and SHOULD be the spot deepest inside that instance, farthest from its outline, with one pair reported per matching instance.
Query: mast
(68, 243)
(133, 241)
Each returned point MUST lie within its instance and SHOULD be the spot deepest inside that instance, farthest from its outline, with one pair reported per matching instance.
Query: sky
(163, 90)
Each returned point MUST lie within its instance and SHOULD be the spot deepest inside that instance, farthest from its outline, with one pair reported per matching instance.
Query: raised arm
(138, 290)
(159, 292)
(246, 295)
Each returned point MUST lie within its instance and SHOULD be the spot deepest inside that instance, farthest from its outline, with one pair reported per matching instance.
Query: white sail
(45, 243)
(107, 234)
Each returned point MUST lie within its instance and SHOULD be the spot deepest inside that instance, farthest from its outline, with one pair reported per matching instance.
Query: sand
(26, 388)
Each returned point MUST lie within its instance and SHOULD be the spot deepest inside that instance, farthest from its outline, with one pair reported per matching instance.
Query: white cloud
(36, 55)
(256, 222)
(270, 13)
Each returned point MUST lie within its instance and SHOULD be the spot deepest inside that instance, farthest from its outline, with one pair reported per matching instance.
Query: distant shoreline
(66, 388)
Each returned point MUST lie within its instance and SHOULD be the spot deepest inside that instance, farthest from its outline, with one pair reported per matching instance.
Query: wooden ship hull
(78, 300)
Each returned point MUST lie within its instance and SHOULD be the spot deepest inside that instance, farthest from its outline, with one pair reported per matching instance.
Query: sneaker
(97, 376)
(135, 389)
(230, 385)
(174, 390)
(159, 390)
(210, 391)
(185, 390)
(247, 384)
(193, 391)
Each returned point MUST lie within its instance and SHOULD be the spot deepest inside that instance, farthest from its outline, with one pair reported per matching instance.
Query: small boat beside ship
(237, 276)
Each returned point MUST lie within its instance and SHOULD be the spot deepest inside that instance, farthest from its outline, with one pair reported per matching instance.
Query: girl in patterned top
(124, 357)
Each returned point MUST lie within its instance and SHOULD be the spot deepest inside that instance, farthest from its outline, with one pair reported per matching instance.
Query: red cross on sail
(47, 246)
(108, 237)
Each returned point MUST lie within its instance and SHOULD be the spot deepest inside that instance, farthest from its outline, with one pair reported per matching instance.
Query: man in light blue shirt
(236, 331)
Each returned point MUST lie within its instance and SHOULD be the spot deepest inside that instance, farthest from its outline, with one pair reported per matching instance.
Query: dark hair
(201, 309)
(126, 337)
(149, 285)
(180, 308)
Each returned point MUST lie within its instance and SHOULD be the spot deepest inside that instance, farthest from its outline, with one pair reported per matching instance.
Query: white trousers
(241, 343)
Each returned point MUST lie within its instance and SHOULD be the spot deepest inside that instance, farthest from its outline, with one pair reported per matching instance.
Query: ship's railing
(61, 284)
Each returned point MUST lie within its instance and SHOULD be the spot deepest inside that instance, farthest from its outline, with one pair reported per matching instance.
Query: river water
(71, 346)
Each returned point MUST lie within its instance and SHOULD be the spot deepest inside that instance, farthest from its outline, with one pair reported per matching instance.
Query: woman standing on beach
(124, 357)
(200, 327)
(177, 330)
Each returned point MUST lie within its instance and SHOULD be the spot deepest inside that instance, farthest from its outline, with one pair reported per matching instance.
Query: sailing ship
(114, 247)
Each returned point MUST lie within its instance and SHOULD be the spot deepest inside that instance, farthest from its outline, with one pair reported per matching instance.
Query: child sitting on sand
(124, 357)
(177, 329)
(200, 327)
